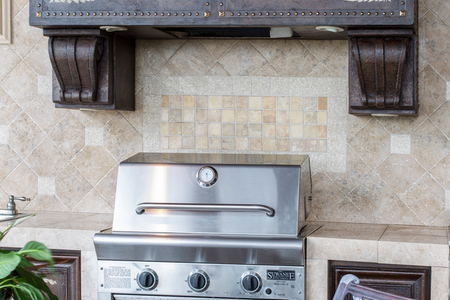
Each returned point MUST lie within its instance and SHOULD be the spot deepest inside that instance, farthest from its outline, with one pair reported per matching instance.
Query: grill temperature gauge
(207, 176)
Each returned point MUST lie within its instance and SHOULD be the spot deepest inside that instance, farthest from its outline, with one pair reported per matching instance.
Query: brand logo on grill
(280, 275)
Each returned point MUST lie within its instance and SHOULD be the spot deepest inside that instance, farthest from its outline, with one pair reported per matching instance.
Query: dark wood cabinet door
(407, 281)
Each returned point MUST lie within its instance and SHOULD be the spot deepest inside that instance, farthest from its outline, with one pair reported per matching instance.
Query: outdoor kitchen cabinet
(95, 69)
(407, 281)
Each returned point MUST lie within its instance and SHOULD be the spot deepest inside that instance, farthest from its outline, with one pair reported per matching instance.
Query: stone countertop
(383, 244)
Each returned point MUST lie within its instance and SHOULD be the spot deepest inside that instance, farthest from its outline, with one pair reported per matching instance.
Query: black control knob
(198, 280)
(251, 282)
(147, 279)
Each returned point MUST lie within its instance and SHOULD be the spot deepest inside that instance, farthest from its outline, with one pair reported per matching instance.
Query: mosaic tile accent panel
(244, 123)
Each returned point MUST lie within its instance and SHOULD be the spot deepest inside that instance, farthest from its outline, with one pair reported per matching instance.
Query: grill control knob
(198, 281)
(251, 282)
(147, 279)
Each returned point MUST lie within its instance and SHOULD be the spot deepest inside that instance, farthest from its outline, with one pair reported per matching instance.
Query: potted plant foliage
(20, 279)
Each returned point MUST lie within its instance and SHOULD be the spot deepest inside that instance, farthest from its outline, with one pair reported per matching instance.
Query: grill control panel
(200, 280)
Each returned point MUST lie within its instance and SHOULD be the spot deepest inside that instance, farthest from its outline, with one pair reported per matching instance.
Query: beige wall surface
(245, 96)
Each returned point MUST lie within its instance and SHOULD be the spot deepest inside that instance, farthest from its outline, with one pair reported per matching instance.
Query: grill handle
(270, 212)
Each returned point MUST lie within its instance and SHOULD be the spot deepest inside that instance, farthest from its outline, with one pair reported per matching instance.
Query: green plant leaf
(35, 293)
(8, 262)
(24, 262)
(36, 281)
(37, 251)
(17, 222)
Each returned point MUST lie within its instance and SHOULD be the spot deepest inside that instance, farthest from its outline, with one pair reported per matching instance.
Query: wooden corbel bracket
(382, 72)
(92, 69)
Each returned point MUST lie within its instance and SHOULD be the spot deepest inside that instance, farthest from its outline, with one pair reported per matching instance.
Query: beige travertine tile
(296, 131)
(175, 115)
(255, 144)
(215, 115)
(269, 130)
(201, 115)
(242, 59)
(439, 283)
(401, 124)
(372, 143)
(175, 142)
(19, 236)
(431, 29)
(310, 131)
(320, 71)
(322, 117)
(269, 116)
(201, 143)
(283, 145)
(69, 135)
(201, 101)
(297, 103)
(8, 107)
(24, 135)
(322, 105)
(297, 145)
(372, 196)
(255, 130)
(311, 145)
(164, 142)
(400, 172)
(24, 36)
(326, 195)
(168, 70)
(93, 118)
(296, 117)
(175, 101)
(242, 116)
(351, 231)
(47, 160)
(21, 84)
(148, 60)
(23, 182)
(215, 102)
(342, 249)
(413, 254)
(242, 143)
(283, 131)
(164, 115)
(337, 61)
(269, 103)
(317, 272)
(229, 102)
(217, 70)
(241, 129)
(192, 59)
(294, 53)
(441, 172)
(399, 213)
(426, 199)
(269, 144)
(217, 47)
(310, 117)
(346, 210)
(229, 130)
(188, 129)
(94, 162)
(416, 234)
(255, 116)
(201, 129)
(268, 48)
(215, 129)
(9, 60)
(107, 186)
(121, 138)
(428, 144)
(228, 143)
(188, 115)
(440, 118)
(282, 117)
(93, 202)
(215, 143)
(322, 131)
(188, 142)
(229, 115)
(432, 88)
(9, 160)
(355, 124)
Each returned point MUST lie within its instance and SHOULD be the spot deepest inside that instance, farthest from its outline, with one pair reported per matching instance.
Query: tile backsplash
(238, 96)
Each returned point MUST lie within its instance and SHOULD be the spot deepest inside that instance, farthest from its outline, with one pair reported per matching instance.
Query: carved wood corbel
(382, 72)
(91, 69)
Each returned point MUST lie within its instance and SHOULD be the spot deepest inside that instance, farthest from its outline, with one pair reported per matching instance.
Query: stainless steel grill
(190, 226)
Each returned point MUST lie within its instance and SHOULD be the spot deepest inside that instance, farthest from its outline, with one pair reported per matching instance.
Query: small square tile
(269, 130)
(255, 144)
(400, 143)
(164, 115)
(201, 115)
(188, 101)
(241, 116)
(165, 129)
(269, 145)
(201, 129)
(283, 117)
(283, 131)
(215, 115)
(297, 103)
(241, 129)
(255, 130)
(152, 85)
(175, 101)
(310, 117)
(242, 143)
(229, 102)
(296, 117)
(229, 130)
(215, 143)
(228, 143)
(175, 128)
(297, 145)
(201, 102)
(242, 102)
(322, 146)
(283, 145)
(170, 85)
(165, 101)
(188, 129)
(201, 142)
(4, 135)
(175, 115)
(188, 142)
(269, 116)
(255, 116)
(215, 129)
(228, 115)
(280, 86)
(94, 136)
(215, 101)
(46, 185)
(224, 85)
(310, 103)
(322, 103)
(269, 102)
(205, 85)
(310, 131)
(310, 145)
(296, 131)
(322, 117)
(283, 102)
(255, 103)
(318, 87)
(322, 131)
(188, 115)
(174, 142)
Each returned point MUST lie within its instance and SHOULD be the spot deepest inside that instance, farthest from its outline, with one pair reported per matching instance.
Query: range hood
(377, 29)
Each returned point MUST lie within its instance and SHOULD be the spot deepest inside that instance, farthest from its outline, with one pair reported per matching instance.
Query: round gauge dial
(207, 176)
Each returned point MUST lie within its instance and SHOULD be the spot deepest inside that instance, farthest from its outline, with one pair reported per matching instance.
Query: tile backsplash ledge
(232, 96)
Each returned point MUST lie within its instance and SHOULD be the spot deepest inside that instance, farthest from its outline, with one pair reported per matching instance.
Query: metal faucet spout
(11, 206)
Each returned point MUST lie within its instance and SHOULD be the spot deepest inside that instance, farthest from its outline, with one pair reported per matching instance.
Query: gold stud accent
(88, 14)
(369, 13)
(310, 13)
(232, 14)
(101, 14)
(332, 13)
(74, 14)
(162, 14)
(288, 13)
(221, 4)
(221, 14)
(107, 14)
(175, 14)
(94, 14)
(403, 2)
(182, 14)
(274, 14)
(347, 13)
(207, 14)
(324, 13)
(207, 3)
(128, 14)
(68, 14)
(253, 14)
(197, 14)
(169, 14)
(61, 14)
(260, 14)
(362, 14)
(339, 13)
(384, 13)
(281, 14)
(296, 13)
(115, 14)
(155, 14)
(376, 14)
(54, 14)
(39, 5)
(239, 14)
(246, 14)
(48, 14)
(354, 13)
(392, 13)
(121, 14)
(148, 14)
(189, 14)
(303, 13)
(317, 13)
(38, 14)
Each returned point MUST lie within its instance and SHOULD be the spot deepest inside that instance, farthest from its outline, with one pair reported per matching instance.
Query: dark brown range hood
(94, 68)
